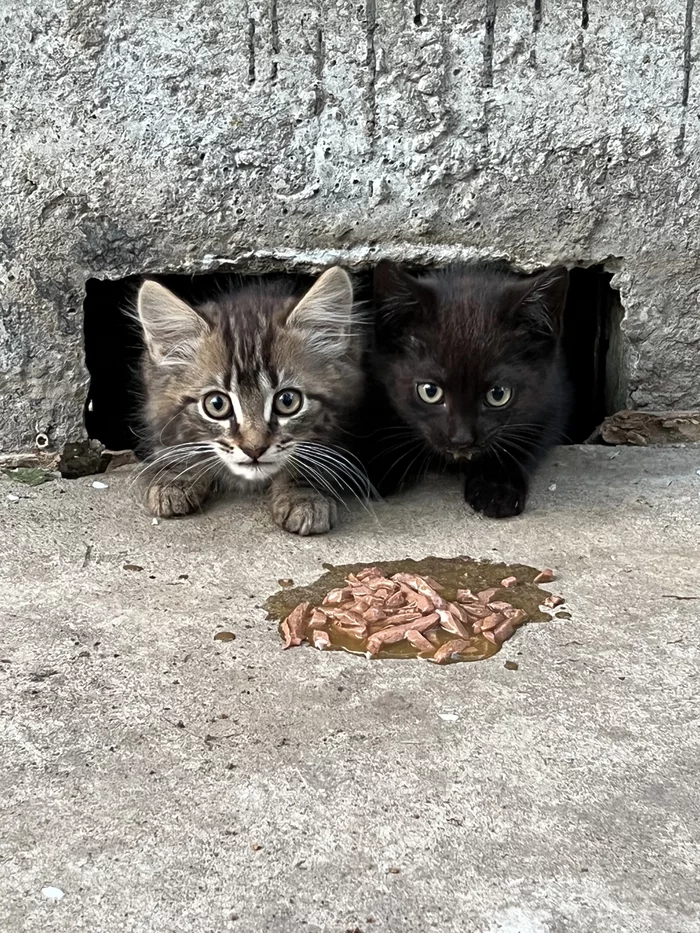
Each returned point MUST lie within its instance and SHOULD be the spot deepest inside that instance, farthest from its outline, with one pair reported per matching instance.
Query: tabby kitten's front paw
(495, 499)
(166, 501)
(303, 511)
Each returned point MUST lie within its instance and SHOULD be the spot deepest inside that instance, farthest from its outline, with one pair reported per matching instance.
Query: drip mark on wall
(319, 56)
(537, 15)
(584, 25)
(536, 23)
(371, 25)
(687, 68)
(489, 30)
(687, 50)
(251, 51)
(274, 38)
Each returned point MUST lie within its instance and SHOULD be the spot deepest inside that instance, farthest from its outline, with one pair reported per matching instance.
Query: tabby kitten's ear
(170, 326)
(539, 303)
(325, 313)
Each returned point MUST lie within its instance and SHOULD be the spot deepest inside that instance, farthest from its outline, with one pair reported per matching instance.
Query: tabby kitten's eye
(217, 405)
(499, 396)
(287, 402)
(429, 392)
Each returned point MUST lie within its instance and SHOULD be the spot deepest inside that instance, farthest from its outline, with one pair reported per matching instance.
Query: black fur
(467, 330)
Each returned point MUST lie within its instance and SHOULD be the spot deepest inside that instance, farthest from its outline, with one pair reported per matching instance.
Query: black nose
(462, 440)
(254, 452)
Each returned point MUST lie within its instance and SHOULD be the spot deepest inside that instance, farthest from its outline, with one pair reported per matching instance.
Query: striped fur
(247, 346)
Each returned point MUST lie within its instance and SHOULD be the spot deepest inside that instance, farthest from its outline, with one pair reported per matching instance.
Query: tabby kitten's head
(470, 356)
(252, 375)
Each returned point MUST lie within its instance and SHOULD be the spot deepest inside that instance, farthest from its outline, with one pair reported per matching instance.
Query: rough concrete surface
(279, 134)
(165, 781)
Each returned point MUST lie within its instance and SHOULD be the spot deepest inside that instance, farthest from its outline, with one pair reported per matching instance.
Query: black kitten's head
(470, 356)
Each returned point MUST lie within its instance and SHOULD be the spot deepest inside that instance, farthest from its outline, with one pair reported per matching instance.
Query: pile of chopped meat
(377, 611)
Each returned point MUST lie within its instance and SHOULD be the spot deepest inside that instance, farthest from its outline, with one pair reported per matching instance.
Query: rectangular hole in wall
(113, 346)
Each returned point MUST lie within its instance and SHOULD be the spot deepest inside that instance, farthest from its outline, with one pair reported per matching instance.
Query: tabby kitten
(471, 364)
(251, 389)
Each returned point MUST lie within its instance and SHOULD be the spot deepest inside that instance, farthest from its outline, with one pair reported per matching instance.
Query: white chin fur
(250, 472)
(255, 472)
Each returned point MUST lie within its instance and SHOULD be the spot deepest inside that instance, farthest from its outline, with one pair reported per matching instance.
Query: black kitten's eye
(287, 402)
(217, 405)
(429, 392)
(499, 396)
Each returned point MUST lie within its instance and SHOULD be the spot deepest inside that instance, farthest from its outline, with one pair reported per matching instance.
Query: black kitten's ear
(389, 280)
(393, 285)
(399, 298)
(540, 301)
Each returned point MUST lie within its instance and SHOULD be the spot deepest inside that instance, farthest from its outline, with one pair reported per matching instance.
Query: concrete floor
(168, 782)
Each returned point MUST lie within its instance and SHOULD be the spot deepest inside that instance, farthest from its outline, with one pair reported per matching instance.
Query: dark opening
(591, 324)
(113, 346)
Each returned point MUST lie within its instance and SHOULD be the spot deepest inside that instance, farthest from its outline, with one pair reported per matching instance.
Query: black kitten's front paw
(496, 499)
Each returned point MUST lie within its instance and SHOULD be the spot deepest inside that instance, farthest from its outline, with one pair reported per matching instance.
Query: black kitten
(472, 368)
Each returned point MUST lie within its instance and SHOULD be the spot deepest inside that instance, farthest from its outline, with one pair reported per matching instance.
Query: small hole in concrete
(419, 19)
(42, 441)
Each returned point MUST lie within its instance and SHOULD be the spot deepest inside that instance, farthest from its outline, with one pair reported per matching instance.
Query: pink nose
(254, 452)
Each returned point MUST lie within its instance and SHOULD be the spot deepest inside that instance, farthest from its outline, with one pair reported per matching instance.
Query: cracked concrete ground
(164, 781)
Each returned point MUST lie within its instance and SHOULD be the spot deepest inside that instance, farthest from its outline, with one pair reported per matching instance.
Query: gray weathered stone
(138, 137)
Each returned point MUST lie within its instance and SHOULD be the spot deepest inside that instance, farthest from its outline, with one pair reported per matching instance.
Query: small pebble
(448, 717)
(511, 665)
(224, 636)
(11, 497)
(98, 485)
(552, 487)
(154, 521)
(53, 894)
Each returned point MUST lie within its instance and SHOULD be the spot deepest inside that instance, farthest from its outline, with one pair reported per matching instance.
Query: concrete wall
(141, 136)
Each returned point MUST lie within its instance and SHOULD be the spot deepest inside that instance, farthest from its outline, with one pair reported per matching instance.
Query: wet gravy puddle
(521, 599)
